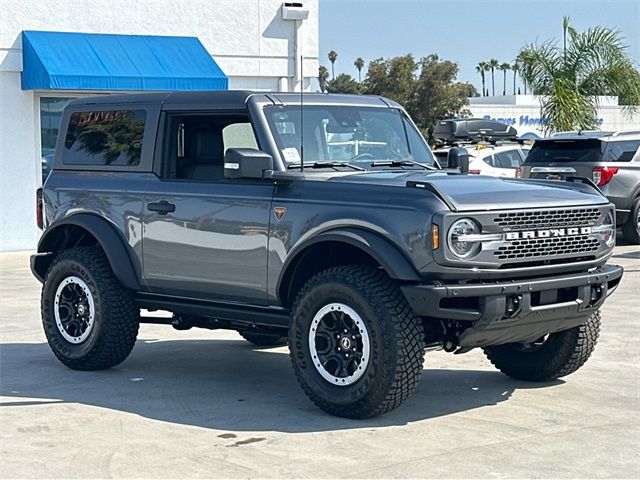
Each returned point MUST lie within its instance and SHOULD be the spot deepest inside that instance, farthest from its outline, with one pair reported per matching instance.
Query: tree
(359, 64)
(481, 68)
(514, 68)
(504, 68)
(427, 89)
(570, 79)
(437, 95)
(343, 83)
(493, 64)
(392, 78)
(323, 76)
(333, 56)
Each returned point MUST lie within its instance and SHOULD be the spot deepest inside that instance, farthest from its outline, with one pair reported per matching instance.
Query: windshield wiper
(325, 165)
(401, 163)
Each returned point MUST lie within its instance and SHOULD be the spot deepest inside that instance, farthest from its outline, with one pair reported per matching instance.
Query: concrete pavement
(207, 404)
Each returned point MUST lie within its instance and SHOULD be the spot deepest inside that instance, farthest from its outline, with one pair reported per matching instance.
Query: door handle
(162, 207)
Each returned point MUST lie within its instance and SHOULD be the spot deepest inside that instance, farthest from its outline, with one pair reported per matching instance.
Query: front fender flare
(390, 257)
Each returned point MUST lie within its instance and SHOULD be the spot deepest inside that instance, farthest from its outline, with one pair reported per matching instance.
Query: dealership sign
(526, 120)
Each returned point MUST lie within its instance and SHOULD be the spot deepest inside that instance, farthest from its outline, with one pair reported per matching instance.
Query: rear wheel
(264, 339)
(90, 320)
(550, 357)
(356, 346)
(631, 229)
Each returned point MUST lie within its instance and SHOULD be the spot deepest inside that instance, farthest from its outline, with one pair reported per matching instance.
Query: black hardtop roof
(231, 99)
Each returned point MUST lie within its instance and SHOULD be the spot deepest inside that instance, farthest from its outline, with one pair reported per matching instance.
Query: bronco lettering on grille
(548, 233)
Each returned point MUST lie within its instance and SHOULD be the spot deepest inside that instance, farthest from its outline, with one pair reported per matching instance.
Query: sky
(464, 31)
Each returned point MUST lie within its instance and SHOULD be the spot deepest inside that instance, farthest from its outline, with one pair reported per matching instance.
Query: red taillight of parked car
(474, 172)
(39, 209)
(603, 175)
(518, 172)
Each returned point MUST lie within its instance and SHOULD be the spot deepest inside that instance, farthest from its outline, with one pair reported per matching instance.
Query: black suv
(611, 159)
(348, 242)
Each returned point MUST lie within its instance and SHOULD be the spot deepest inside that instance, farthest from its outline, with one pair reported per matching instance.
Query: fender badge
(279, 212)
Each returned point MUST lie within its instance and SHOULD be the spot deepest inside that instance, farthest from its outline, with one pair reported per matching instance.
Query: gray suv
(347, 243)
(611, 159)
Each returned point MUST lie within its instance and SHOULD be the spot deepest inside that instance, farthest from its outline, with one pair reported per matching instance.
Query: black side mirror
(458, 157)
(246, 163)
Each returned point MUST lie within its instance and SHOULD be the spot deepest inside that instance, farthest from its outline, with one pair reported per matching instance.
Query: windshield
(550, 151)
(355, 135)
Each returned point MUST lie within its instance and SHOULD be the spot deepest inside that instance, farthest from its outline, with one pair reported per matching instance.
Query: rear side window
(110, 138)
(623, 151)
(508, 159)
(566, 151)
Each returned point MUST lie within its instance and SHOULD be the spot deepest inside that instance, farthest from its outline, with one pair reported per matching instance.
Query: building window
(51, 109)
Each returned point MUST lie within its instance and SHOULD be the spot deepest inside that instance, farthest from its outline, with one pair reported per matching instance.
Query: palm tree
(359, 63)
(333, 56)
(481, 68)
(569, 79)
(514, 69)
(323, 76)
(493, 64)
(504, 67)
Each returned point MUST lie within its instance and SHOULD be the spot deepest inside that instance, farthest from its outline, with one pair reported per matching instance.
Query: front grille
(547, 247)
(536, 219)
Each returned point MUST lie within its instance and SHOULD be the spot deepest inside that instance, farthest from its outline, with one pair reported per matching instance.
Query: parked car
(493, 147)
(610, 159)
(359, 255)
(501, 159)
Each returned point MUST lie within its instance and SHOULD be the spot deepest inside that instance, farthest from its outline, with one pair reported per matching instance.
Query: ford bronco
(327, 225)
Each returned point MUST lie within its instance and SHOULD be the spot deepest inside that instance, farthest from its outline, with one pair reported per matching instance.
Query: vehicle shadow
(226, 385)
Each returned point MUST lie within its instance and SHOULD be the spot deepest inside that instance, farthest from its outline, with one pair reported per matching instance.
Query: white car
(487, 159)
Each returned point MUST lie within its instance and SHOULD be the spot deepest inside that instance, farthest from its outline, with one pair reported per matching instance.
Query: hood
(478, 192)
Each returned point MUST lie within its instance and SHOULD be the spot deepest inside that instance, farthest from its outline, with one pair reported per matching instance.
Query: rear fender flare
(123, 262)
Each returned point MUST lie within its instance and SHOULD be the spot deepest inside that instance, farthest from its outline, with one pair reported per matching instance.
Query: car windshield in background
(565, 151)
(354, 135)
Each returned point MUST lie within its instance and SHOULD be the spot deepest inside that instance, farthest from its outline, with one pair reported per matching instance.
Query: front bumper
(510, 311)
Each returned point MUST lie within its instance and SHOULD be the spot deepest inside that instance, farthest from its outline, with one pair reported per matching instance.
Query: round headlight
(460, 246)
(609, 234)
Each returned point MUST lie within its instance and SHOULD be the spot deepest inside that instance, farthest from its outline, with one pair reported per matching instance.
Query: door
(205, 236)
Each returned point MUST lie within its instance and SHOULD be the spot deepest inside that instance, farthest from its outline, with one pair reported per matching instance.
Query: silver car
(610, 159)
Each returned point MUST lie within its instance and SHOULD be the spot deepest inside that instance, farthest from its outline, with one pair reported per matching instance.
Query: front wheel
(356, 346)
(550, 357)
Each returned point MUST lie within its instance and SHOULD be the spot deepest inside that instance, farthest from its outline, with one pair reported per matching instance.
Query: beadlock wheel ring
(339, 344)
(74, 310)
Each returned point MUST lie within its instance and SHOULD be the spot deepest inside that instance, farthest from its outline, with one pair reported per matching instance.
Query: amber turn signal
(435, 236)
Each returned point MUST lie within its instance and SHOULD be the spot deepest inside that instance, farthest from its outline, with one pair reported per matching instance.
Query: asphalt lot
(207, 404)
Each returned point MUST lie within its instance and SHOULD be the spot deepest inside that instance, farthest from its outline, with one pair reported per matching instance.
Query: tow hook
(597, 292)
(513, 306)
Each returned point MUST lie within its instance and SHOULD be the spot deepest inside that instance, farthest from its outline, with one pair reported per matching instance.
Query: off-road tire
(395, 333)
(562, 354)
(631, 229)
(116, 315)
(264, 339)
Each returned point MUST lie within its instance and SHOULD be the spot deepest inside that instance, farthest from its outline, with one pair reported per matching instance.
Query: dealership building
(52, 51)
(523, 113)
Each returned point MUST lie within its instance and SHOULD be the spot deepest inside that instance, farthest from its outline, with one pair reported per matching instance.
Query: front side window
(110, 138)
(197, 143)
(356, 135)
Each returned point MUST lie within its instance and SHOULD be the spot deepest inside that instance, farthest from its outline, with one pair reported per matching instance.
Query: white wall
(523, 112)
(247, 38)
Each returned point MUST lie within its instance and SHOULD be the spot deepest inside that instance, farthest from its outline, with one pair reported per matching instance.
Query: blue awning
(89, 61)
